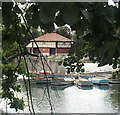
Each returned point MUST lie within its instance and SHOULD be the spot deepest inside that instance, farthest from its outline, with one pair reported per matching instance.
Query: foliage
(97, 25)
(72, 64)
(64, 31)
(9, 86)
(17, 104)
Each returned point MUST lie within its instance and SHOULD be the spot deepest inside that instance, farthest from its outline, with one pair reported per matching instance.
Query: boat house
(51, 44)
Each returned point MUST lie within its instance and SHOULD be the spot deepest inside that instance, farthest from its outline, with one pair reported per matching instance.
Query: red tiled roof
(52, 37)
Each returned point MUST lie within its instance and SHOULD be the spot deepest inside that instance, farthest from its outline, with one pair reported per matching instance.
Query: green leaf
(46, 16)
(114, 66)
(78, 69)
(118, 48)
(106, 27)
(35, 20)
(49, 27)
(7, 11)
(113, 76)
(83, 70)
(102, 50)
(33, 8)
(66, 59)
(28, 17)
(56, 6)
(72, 69)
(17, 9)
(80, 31)
(17, 104)
(65, 63)
(109, 14)
(60, 63)
(69, 4)
(105, 60)
(68, 70)
(88, 15)
(51, 6)
(59, 20)
(71, 15)
(111, 46)
(22, 29)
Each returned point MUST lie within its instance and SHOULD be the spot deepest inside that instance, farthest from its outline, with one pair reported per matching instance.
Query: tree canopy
(96, 24)
(64, 31)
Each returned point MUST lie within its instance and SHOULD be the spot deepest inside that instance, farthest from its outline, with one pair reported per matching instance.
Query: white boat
(83, 82)
(69, 78)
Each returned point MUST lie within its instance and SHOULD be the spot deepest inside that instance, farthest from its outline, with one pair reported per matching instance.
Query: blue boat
(51, 76)
(86, 77)
(53, 81)
(99, 81)
(75, 76)
(48, 75)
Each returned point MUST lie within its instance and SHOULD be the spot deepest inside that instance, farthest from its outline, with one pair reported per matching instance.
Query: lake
(99, 99)
(72, 99)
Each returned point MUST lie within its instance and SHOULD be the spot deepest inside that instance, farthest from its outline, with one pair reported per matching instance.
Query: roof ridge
(52, 37)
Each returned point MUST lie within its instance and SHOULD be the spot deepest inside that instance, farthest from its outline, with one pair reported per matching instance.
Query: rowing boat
(99, 81)
(83, 82)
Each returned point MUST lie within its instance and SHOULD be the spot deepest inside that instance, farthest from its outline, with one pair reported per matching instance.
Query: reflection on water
(85, 87)
(62, 87)
(71, 99)
(102, 87)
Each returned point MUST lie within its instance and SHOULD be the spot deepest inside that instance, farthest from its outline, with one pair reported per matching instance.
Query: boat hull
(83, 82)
(53, 81)
(85, 76)
(60, 83)
(99, 81)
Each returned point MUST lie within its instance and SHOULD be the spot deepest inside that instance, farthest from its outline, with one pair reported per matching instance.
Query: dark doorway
(52, 51)
(35, 50)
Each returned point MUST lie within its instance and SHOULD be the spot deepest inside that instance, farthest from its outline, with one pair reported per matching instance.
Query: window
(35, 50)
(30, 50)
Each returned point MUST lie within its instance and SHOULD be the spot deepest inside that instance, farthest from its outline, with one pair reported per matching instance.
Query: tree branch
(8, 59)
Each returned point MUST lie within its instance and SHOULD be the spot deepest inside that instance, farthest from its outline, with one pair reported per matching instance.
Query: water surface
(99, 99)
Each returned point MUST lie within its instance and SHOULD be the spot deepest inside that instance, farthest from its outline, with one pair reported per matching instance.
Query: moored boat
(52, 80)
(60, 83)
(86, 76)
(99, 81)
(69, 78)
(43, 80)
(83, 82)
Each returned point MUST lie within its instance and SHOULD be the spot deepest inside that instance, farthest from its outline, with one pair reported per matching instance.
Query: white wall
(45, 44)
(93, 67)
(64, 44)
